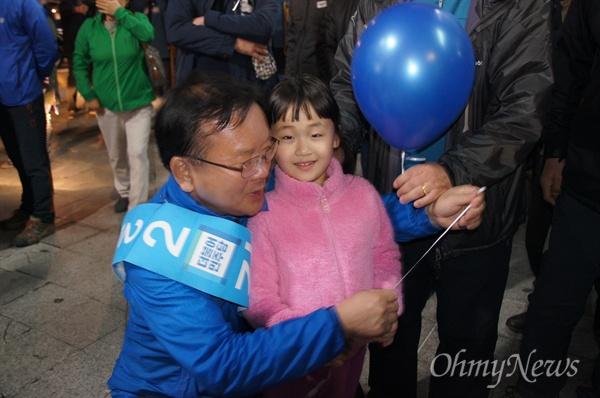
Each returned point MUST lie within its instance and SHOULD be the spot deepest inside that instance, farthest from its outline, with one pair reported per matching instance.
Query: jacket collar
(308, 194)
(170, 192)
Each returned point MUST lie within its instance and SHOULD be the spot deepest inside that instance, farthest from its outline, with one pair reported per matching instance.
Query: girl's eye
(286, 137)
(316, 135)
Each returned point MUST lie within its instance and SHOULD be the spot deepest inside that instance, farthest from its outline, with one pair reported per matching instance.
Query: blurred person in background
(28, 54)
(120, 92)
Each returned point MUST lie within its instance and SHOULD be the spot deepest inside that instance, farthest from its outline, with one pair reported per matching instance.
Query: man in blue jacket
(27, 56)
(183, 338)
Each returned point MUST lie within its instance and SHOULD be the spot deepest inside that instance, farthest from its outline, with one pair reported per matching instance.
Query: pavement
(62, 312)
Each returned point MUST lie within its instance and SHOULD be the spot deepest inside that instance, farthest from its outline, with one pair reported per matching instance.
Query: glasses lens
(252, 166)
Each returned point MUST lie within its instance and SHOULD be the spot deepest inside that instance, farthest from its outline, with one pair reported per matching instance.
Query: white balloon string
(402, 157)
(462, 213)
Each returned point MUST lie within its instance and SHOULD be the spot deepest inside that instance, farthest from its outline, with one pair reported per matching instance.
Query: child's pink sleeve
(388, 267)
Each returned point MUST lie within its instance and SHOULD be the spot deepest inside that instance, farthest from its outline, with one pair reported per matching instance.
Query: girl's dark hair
(297, 94)
(203, 105)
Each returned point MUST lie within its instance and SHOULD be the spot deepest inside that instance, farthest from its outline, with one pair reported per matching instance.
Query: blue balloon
(412, 72)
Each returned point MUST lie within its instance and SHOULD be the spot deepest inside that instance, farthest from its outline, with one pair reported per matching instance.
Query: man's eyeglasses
(251, 166)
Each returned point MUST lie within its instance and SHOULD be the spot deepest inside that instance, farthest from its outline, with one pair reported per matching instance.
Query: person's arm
(411, 223)
(407, 221)
(256, 27)
(354, 125)
(327, 41)
(82, 61)
(136, 23)
(519, 77)
(45, 49)
(190, 326)
(182, 33)
(572, 62)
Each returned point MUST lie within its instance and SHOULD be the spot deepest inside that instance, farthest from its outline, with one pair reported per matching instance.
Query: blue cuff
(408, 222)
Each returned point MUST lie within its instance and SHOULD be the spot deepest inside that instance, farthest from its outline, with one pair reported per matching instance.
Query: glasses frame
(274, 143)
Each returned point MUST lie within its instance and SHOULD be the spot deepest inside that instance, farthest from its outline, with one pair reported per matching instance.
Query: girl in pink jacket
(325, 235)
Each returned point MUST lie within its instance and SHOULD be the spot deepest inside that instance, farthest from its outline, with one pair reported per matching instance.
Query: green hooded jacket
(120, 79)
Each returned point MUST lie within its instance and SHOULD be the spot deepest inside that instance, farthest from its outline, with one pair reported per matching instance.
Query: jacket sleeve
(182, 33)
(136, 23)
(82, 62)
(45, 48)
(572, 62)
(191, 327)
(386, 254)
(256, 27)
(327, 42)
(267, 307)
(354, 125)
(408, 222)
(516, 79)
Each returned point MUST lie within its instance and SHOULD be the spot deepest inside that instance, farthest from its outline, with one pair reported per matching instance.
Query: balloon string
(462, 213)
(402, 158)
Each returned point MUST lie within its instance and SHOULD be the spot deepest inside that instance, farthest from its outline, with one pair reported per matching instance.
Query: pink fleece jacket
(316, 246)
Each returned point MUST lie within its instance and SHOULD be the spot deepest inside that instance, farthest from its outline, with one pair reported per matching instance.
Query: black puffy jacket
(489, 144)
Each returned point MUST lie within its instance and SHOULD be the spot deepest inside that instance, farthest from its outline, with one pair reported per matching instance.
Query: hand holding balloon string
(462, 213)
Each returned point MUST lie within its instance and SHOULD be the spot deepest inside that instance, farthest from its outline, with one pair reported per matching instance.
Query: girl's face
(305, 146)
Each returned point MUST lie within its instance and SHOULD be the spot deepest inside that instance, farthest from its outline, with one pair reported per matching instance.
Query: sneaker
(121, 205)
(516, 323)
(17, 221)
(511, 392)
(34, 231)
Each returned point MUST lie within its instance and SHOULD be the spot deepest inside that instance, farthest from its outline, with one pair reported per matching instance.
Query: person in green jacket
(119, 91)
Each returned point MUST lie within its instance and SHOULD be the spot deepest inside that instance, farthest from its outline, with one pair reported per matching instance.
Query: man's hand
(551, 179)
(108, 7)
(250, 48)
(198, 21)
(444, 211)
(370, 315)
(423, 183)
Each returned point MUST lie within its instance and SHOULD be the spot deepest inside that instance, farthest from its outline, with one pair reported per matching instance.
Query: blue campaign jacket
(408, 223)
(28, 51)
(181, 342)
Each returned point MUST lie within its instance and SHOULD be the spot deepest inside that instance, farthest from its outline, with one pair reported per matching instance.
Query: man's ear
(181, 170)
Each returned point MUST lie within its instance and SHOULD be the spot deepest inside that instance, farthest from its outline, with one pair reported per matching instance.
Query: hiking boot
(17, 221)
(34, 231)
(516, 323)
(121, 205)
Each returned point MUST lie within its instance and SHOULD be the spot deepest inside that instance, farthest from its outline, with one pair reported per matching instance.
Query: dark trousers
(569, 270)
(23, 132)
(539, 216)
(469, 293)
